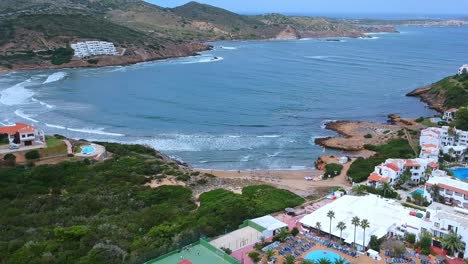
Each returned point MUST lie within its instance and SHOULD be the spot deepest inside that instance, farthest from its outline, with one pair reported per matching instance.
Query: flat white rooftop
(383, 215)
(238, 238)
(269, 222)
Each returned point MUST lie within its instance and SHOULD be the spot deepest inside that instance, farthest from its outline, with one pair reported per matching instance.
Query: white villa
(463, 69)
(441, 219)
(386, 218)
(449, 114)
(453, 191)
(20, 135)
(93, 48)
(391, 170)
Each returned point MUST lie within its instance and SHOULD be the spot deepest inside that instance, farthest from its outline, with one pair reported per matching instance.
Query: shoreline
(201, 45)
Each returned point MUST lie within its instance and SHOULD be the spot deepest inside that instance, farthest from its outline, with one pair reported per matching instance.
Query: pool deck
(99, 152)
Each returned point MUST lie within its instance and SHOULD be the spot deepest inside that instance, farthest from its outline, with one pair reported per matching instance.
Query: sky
(420, 7)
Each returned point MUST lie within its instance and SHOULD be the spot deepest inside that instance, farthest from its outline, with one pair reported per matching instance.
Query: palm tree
(307, 262)
(364, 225)
(453, 242)
(355, 221)
(435, 193)
(289, 259)
(341, 226)
(323, 261)
(330, 215)
(318, 226)
(340, 261)
(269, 254)
(386, 187)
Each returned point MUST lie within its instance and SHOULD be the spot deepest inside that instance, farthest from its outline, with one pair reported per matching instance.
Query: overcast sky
(335, 6)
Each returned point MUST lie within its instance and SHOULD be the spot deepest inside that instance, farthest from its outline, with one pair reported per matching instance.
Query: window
(23, 136)
(437, 225)
(30, 135)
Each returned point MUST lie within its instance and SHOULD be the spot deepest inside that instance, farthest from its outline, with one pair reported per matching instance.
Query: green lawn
(55, 147)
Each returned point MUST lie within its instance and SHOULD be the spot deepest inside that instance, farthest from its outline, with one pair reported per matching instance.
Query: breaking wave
(17, 94)
(21, 114)
(54, 77)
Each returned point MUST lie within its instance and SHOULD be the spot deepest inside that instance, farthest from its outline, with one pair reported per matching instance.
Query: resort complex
(93, 48)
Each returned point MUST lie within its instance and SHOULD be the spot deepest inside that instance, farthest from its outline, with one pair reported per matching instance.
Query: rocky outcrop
(289, 33)
(434, 101)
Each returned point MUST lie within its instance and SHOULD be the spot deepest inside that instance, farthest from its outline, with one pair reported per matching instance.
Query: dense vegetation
(453, 89)
(396, 148)
(461, 121)
(333, 169)
(87, 212)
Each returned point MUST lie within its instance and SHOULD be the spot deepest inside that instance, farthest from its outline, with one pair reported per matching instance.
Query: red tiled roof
(18, 127)
(185, 261)
(412, 163)
(392, 166)
(433, 164)
(429, 145)
(377, 178)
(452, 110)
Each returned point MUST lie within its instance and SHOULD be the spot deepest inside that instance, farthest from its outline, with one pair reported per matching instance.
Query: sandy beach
(293, 180)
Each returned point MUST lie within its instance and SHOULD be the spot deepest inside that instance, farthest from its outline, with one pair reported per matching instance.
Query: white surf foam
(227, 48)
(17, 94)
(21, 114)
(245, 158)
(54, 77)
(269, 136)
(55, 126)
(42, 103)
(319, 57)
(95, 131)
(202, 59)
(324, 123)
(273, 155)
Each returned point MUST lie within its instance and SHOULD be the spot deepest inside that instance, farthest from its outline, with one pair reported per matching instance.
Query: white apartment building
(93, 48)
(391, 170)
(441, 219)
(448, 140)
(449, 114)
(453, 191)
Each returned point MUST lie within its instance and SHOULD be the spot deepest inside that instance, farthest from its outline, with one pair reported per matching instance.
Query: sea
(245, 104)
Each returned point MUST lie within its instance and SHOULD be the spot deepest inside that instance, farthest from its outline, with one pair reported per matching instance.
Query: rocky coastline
(131, 57)
(434, 101)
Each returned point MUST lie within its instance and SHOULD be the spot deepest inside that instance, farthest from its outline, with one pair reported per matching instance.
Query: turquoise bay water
(249, 105)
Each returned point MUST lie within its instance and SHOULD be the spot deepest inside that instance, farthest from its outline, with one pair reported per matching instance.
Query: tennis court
(196, 254)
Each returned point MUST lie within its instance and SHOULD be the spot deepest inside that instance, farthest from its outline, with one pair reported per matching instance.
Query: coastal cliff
(447, 93)
(34, 33)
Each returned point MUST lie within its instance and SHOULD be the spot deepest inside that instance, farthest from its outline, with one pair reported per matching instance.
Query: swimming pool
(435, 120)
(86, 150)
(420, 191)
(461, 173)
(319, 254)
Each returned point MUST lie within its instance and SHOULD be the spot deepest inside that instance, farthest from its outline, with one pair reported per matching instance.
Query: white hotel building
(453, 191)
(93, 48)
(450, 141)
(441, 219)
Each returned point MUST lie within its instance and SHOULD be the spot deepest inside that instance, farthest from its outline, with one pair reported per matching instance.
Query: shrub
(93, 61)
(294, 231)
(368, 136)
(410, 238)
(62, 55)
(32, 155)
(333, 169)
(227, 250)
(254, 256)
(9, 157)
(419, 119)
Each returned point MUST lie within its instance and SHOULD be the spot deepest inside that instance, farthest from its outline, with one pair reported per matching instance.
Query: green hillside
(453, 90)
(101, 212)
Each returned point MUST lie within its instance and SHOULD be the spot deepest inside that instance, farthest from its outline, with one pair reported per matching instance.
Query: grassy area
(396, 148)
(87, 212)
(55, 147)
(454, 89)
